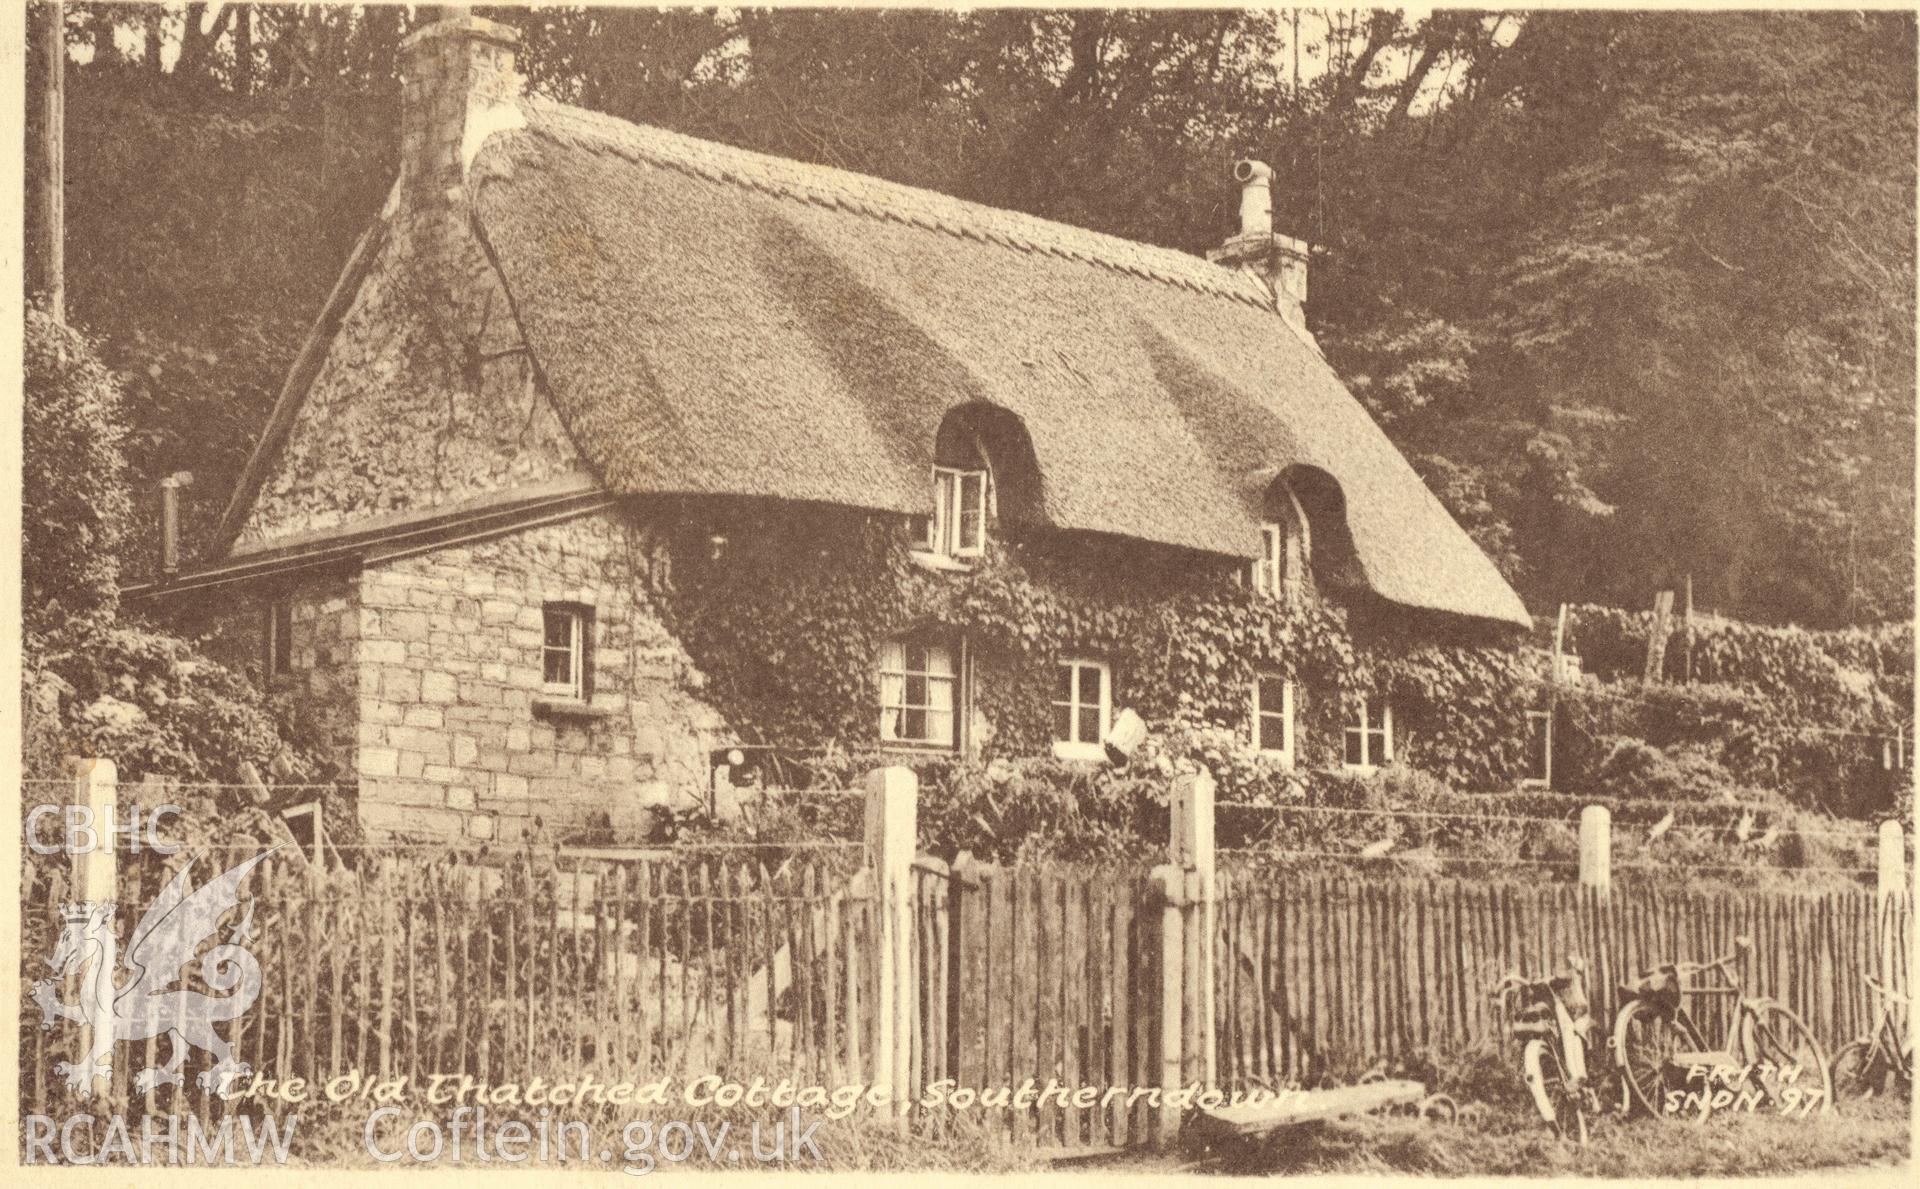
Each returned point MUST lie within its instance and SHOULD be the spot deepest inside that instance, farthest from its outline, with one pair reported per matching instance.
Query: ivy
(787, 619)
(786, 622)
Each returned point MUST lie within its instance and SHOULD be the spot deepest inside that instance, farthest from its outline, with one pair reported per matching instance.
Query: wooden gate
(1033, 976)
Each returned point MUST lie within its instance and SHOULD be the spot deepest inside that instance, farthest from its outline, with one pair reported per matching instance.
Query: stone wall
(427, 395)
(451, 739)
(422, 401)
(322, 693)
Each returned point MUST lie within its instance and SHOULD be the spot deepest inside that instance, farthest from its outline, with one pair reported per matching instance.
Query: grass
(1487, 1143)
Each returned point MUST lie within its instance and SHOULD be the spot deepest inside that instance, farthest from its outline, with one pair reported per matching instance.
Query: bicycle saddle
(1652, 984)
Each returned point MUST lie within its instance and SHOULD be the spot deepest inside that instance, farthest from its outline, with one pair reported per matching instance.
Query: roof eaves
(380, 537)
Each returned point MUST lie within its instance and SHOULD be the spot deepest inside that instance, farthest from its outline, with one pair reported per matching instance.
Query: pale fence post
(891, 834)
(95, 786)
(1188, 893)
(1172, 884)
(1596, 849)
(1891, 886)
(1191, 834)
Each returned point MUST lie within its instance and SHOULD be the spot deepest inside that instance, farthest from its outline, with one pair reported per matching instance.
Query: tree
(75, 505)
(1634, 289)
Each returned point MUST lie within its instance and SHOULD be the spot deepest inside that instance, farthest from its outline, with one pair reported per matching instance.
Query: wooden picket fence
(1332, 974)
(626, 970)
(866, 963)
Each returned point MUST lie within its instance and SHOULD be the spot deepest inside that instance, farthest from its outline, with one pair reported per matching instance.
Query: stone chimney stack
(459, 85)
(1279, 260)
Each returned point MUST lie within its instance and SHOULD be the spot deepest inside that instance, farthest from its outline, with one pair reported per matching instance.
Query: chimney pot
(1256, 197)
(1279, 260)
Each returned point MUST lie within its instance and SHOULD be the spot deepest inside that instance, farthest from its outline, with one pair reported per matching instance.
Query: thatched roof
(711, 320)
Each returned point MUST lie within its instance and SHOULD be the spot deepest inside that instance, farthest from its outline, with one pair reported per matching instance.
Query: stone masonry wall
(422, 401)
(322, 692)
(450, 736)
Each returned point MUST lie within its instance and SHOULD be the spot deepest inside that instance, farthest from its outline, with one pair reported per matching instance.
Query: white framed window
(1369, 736)
(1283, 551)
(1273, 717)
(279, 637)
(1270, 572)
(1539, 770)
(919, 693)
(959, 524)
(563, 651)
(1082, 709)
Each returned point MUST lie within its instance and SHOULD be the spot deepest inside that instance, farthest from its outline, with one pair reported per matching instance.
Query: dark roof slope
(711, 320)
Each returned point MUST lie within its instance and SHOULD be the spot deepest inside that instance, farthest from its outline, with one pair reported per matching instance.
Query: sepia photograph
(1026, 592)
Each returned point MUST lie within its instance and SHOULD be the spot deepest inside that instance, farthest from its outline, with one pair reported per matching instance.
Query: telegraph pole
(47, 265)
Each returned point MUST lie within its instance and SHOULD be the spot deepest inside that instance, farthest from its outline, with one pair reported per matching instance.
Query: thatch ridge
(827, 186)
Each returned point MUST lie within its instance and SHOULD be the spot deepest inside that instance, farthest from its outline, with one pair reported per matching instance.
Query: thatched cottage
(571, 347)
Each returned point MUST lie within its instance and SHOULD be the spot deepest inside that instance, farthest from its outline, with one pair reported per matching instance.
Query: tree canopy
(1633, 290)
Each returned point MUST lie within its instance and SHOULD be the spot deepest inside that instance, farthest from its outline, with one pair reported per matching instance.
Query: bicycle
(1553, 1022)
(1765, 1041)
(1862, 1067)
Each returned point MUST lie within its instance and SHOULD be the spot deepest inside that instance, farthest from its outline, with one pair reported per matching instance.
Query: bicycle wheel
(1644, 1040)
(1899, 1055)
(1800, 1076)
(1855, 1072)
(1559, 1105)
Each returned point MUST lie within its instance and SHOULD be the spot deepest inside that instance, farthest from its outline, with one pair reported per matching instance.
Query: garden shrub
(93, 683)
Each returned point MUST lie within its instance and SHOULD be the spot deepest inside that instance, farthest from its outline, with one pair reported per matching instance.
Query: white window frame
(1284, 551)
(1368, 728)
(575, 688)
(1267, 571)
(1075, 748)
(946, 527)
(279, 643)
(1545, 780)
(1285, 714)
(891, 710)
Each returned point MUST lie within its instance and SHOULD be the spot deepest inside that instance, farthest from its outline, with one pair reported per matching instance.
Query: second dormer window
(959, 524)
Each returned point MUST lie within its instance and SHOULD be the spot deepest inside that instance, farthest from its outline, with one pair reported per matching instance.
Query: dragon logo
(147, 1002)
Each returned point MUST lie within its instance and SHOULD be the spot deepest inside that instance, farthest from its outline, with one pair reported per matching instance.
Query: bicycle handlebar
(1741, 945)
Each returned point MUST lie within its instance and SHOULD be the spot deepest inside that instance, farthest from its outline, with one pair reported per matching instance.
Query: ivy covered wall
(785, 608)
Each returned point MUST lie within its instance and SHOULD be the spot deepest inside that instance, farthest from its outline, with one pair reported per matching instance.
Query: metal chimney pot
(1256, 197)
(170, 520)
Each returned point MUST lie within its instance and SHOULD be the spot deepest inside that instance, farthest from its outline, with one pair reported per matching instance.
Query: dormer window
(959, 524)
(1270, 572)
(1282, 564)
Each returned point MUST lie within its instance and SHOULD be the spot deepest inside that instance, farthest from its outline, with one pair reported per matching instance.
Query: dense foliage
(1634, 290)
(94, 685)
(786, 621)
(73, 478)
